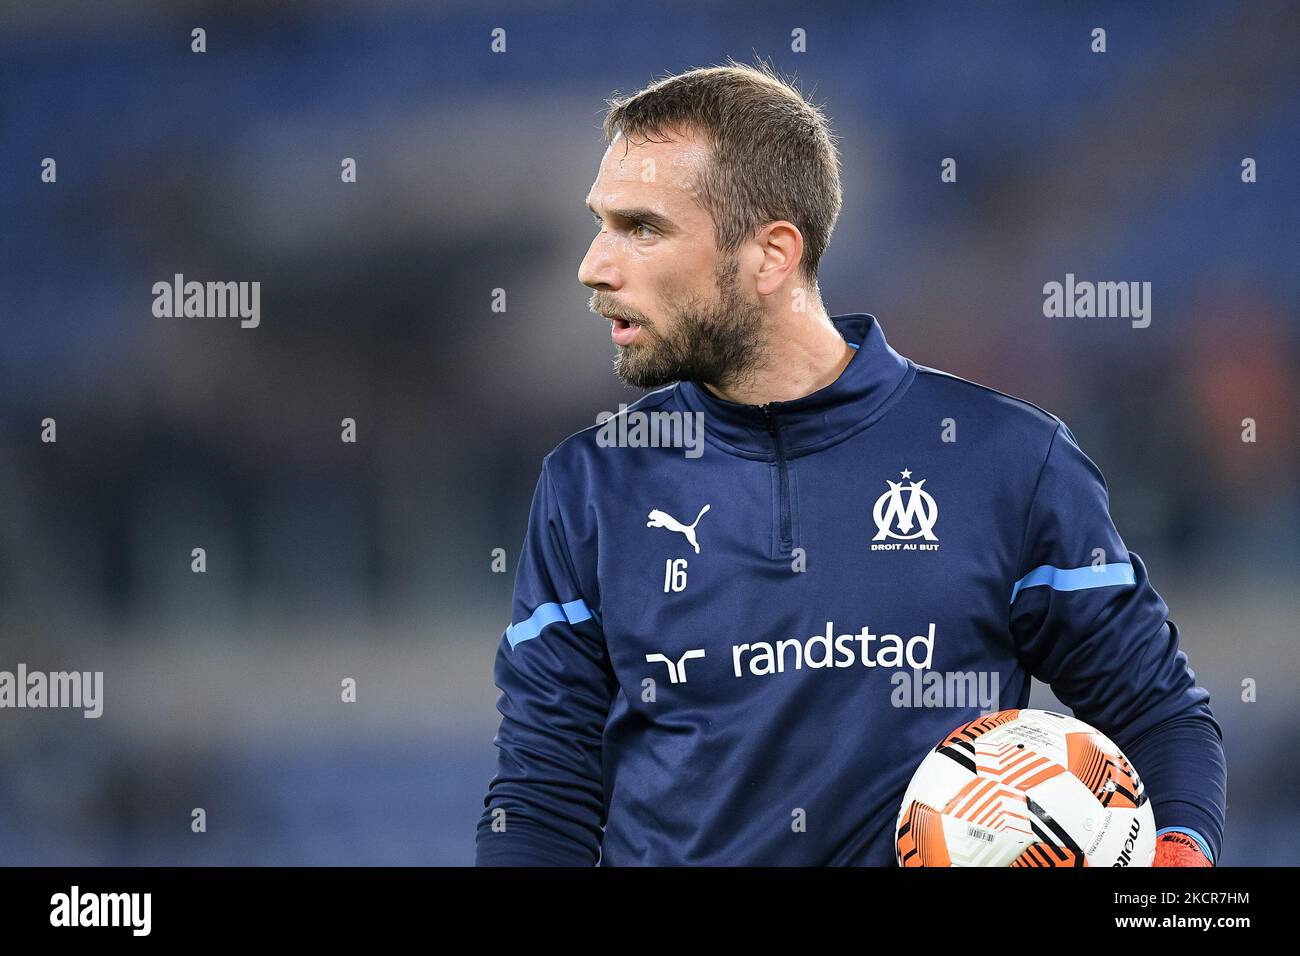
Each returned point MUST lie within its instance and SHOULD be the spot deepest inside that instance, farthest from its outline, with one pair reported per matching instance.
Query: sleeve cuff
(527, 849)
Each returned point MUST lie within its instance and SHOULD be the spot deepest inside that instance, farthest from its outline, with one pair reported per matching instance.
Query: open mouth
(623, 331)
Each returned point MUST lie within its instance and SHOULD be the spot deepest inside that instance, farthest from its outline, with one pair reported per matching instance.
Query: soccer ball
(1025, 788)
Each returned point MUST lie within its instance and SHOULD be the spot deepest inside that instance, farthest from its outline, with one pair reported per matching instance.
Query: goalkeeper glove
(1178, 849)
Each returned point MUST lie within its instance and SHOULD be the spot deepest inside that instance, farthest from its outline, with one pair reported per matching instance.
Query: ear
(781, 246)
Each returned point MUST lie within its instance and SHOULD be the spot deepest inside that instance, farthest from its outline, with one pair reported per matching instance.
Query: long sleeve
(545, 805)
(1087, 621)
(1176, 757)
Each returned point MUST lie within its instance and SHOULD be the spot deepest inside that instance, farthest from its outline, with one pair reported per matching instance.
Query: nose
(598, 269)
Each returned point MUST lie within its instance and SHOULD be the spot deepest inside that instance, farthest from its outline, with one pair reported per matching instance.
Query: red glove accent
(1178, 849)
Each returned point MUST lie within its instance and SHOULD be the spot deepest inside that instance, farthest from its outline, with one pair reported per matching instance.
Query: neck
(803, 352)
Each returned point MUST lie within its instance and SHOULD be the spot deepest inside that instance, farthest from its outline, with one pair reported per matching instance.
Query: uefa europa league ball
(1025, 788)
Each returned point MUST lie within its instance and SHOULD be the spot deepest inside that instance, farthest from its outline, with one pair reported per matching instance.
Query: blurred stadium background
(371, 560)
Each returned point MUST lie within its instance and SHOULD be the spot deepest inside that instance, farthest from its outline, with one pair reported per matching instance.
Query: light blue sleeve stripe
(549, 613)
(1076, 579)
(854, 345)
(1200, 840)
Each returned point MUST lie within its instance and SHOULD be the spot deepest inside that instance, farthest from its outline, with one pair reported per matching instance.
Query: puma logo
(662, 519)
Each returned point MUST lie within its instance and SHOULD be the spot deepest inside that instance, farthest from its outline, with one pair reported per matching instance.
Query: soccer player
(701, 662)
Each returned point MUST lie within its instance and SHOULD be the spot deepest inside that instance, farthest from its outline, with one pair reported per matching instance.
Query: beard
(717, 343)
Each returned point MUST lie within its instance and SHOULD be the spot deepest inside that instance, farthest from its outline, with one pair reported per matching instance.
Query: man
(670, 693)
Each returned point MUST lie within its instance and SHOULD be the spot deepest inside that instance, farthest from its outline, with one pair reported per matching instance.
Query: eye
(596, 219)
(636, 226)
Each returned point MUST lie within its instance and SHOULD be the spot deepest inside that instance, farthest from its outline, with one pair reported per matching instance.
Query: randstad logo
(905, 513)
(677, 668)
(861, 649)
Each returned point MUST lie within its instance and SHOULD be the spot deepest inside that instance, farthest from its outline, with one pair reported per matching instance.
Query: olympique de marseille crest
(906, 512)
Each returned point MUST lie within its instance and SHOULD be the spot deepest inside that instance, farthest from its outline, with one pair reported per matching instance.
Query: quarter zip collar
(873, 376)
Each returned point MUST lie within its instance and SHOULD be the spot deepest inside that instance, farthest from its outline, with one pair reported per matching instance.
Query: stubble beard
(717, 343)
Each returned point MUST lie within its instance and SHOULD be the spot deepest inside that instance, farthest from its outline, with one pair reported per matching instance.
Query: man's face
(681, 312)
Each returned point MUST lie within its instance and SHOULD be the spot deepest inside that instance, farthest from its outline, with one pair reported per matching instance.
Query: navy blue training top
(714, 652)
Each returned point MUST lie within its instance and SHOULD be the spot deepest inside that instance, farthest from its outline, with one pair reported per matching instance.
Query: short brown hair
(773, 154)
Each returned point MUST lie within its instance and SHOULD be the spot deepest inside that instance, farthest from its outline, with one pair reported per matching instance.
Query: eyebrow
(641, 214)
